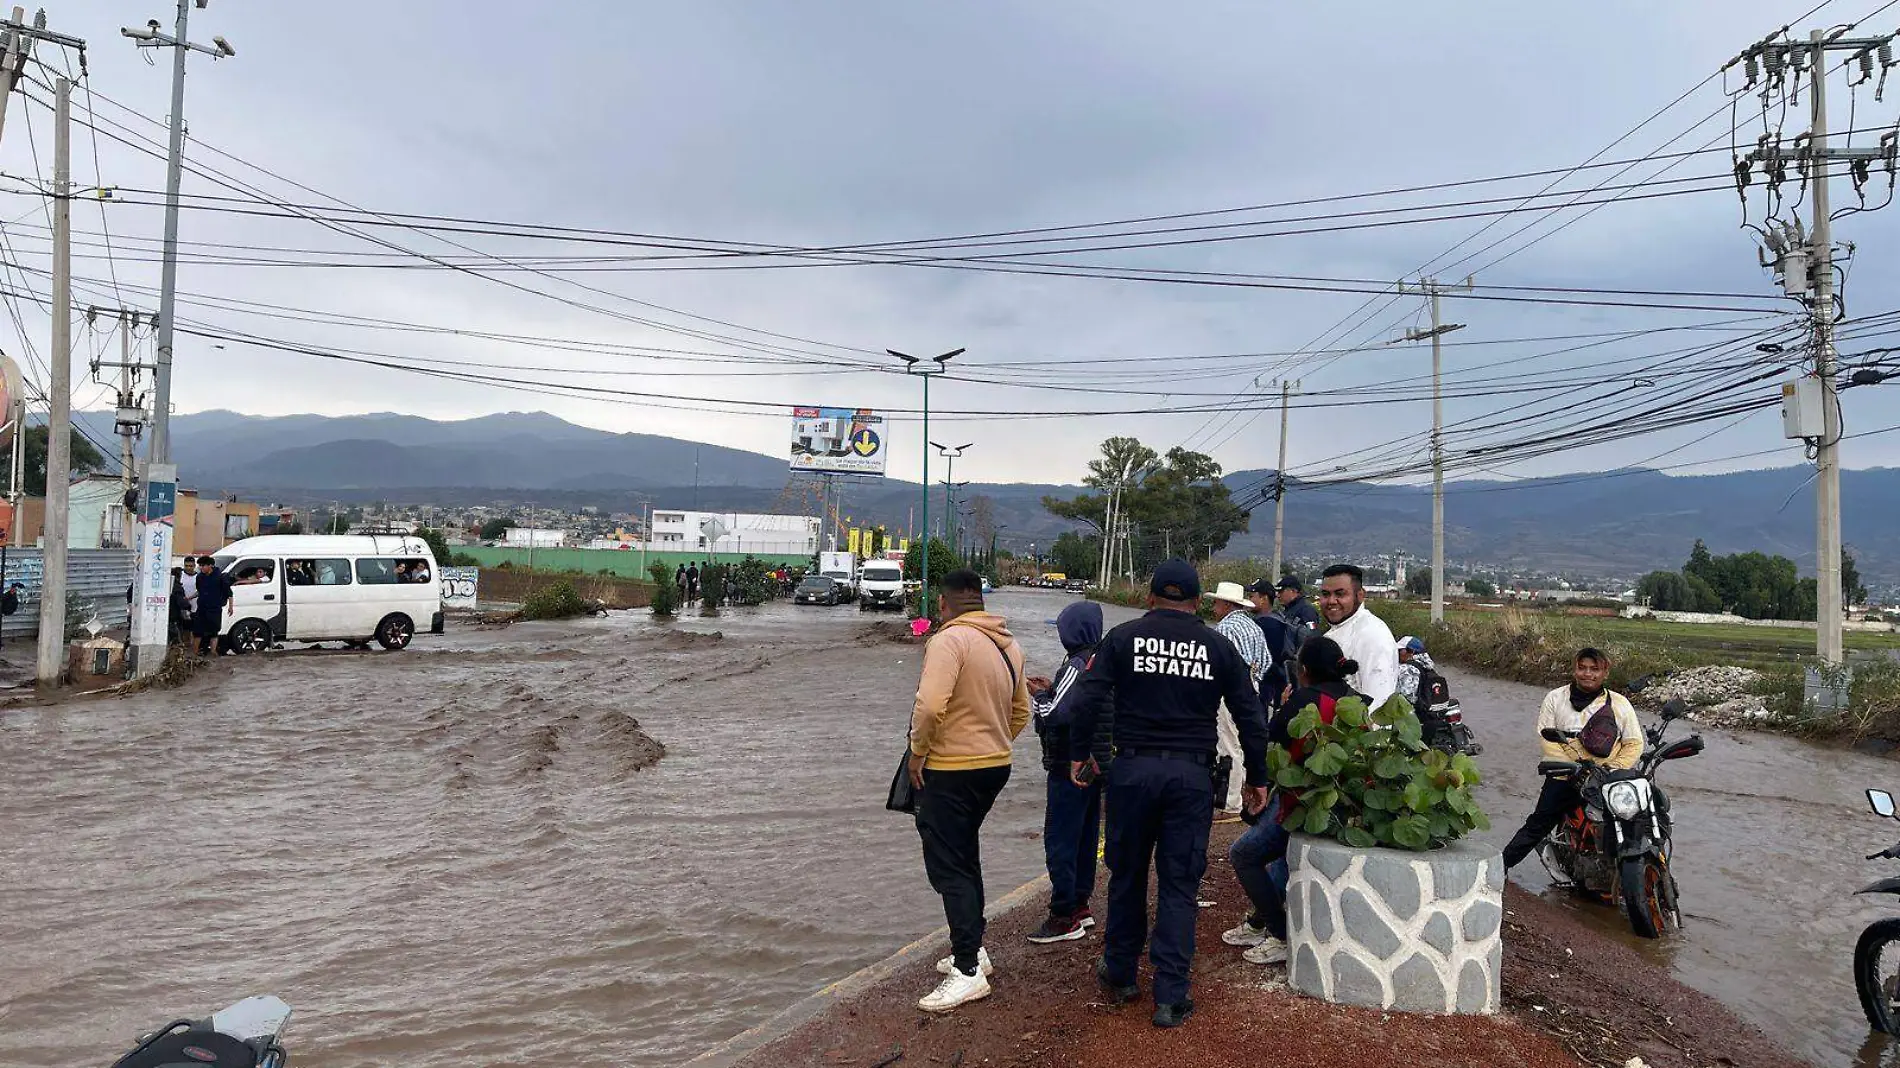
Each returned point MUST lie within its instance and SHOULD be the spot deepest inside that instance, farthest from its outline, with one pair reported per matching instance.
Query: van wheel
(395, 632)
(249, 636)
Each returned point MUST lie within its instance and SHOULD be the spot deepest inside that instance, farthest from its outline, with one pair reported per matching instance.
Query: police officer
(1163, 677)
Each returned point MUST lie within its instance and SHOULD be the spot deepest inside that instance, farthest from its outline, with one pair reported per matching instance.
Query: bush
(558, 601)
(752, 582)
(666, 596)
(712, 588)
(1376, 787)
(462, 560)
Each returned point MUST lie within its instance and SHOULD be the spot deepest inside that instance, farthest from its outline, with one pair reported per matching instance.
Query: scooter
(1876, 966)
(241, 1035)
(1617, 844)
(1449, 732)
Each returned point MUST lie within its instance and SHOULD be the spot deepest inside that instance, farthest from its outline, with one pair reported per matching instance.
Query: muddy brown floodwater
(465, 855)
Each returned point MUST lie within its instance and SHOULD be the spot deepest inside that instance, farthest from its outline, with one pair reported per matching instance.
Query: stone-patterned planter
(1390, 929)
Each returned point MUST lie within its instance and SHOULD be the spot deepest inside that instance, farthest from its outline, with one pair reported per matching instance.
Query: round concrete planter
(1390, 929)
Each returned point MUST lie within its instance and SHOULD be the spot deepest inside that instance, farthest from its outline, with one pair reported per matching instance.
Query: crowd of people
(1150, 729)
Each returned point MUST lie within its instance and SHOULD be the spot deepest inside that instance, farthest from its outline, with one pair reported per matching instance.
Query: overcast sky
(829, 123)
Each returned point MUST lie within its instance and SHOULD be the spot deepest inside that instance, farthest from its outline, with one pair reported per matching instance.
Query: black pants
(1160, 813)
(205, 624)
(950, 812)
(1557, 800)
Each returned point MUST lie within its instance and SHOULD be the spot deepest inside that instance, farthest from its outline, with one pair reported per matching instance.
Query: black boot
(1117, 995)
(1174, 1015)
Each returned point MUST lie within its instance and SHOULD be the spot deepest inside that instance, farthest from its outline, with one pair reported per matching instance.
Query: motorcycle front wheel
(1643, 880)
(1877, 974)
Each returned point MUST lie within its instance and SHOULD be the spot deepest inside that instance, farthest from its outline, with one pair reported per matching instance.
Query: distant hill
(1613, 523)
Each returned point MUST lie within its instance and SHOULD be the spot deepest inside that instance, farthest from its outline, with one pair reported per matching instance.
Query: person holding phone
(1072, 821)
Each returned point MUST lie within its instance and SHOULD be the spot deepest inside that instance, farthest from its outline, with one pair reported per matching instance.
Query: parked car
(1076, 586)
(821, 589)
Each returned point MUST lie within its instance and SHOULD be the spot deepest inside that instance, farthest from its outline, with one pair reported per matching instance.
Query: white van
(881, 585)
(351, 588)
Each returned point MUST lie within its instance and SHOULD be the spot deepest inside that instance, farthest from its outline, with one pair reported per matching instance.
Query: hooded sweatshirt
(1079, 626)
(973, 699)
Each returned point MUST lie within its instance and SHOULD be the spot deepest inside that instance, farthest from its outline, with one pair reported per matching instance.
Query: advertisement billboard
(846, 441)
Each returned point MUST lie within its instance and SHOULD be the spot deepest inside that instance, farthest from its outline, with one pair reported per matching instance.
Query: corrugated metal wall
(98, 576)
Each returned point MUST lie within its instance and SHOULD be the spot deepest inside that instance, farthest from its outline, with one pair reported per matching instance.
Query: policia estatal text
(1163, 677)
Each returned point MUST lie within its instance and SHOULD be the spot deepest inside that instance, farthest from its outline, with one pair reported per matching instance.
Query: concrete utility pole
(1806, 264)
(16, 46)
(59, 420)
(160, 490)
(1431, 287)
(1279, 484)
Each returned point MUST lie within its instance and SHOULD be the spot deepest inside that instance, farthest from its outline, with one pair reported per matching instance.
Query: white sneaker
(1270, 951)
(1245, 935)
(984, 966)
(957, 989)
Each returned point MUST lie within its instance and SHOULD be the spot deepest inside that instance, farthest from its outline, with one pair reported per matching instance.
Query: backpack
(1433, 690)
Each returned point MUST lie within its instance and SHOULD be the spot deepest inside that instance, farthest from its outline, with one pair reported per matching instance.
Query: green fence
(623, 562)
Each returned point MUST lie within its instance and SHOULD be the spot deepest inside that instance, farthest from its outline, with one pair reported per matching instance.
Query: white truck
(841, 566)
(881, 585)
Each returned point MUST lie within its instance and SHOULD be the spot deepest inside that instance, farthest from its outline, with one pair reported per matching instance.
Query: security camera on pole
(161, 477)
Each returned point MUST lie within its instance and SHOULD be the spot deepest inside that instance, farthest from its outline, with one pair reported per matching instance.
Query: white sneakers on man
(957, 989)
(1270, 951)
(1245, 935)
(984, 966)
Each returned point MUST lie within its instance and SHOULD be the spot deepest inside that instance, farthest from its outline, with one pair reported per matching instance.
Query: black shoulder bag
(903, 795)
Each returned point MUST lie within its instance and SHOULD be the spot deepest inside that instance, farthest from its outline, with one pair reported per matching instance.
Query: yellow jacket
(968, 712)
(1558, 713)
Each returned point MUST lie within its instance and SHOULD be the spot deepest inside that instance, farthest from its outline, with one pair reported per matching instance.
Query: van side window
(376, 571)
(253, 572)
(322, 572)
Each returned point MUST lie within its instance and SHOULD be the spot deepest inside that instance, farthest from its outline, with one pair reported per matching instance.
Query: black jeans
(1556, 801)
(1071, 833)
(950, 812)
(1160, 813)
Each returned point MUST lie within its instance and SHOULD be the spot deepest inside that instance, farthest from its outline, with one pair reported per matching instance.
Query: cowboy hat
(1231, 593)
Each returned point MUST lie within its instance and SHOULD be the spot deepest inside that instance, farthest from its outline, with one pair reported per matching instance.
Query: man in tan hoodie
(972, 702)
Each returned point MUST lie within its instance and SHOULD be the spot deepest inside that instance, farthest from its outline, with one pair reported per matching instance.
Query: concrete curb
(735, 1049)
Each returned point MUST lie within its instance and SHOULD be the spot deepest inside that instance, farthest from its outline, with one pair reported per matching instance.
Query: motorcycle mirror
(1552, 734)
(1882, 803)
(1674, 708)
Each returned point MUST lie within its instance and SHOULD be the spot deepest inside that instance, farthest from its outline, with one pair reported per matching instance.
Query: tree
(85, 459)
(1852, 591)
(942, 560)
(1478, 587)
(337, 524)
(1175, 505)
(879, 541)
(438, 544)
(1419, 583)
(292, 527)
(494, 529)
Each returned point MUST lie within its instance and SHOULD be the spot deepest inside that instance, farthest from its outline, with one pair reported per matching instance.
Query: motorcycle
(1617, 844)
(241, 1035)
(1448, 731)
(1876, 975)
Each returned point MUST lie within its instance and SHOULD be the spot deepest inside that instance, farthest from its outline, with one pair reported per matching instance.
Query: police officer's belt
(1203, 759)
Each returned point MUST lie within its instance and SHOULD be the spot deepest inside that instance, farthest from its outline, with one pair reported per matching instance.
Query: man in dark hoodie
(1071, 825)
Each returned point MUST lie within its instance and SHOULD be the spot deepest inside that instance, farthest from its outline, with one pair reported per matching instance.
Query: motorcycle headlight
(1627, 798)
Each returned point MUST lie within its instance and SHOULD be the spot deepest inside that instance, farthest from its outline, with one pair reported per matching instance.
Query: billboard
(847, 441)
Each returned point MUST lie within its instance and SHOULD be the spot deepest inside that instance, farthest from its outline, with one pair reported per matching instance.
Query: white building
(535, 537)
(734, 532)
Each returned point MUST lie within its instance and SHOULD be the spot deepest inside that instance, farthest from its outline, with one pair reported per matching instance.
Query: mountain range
(1608, 523)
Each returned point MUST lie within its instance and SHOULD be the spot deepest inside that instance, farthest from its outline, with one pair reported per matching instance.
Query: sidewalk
(1571, 998)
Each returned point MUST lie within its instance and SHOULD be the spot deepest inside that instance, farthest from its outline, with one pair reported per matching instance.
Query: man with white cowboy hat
(1234, 621)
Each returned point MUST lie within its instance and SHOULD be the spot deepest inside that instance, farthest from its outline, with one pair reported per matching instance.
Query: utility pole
(1431, 287)
(1806, 261)
(59, 420)
(1279, 484)
(16, 46)
(160, 496)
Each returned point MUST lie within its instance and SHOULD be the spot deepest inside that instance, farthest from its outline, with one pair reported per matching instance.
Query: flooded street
(457, 856)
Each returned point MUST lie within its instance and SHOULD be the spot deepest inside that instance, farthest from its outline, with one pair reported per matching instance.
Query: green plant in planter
(1368, 779)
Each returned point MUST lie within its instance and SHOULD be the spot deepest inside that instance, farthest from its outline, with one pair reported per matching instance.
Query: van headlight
(1627, 798)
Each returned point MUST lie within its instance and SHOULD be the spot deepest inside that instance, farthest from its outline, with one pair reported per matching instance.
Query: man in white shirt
(1361, 635)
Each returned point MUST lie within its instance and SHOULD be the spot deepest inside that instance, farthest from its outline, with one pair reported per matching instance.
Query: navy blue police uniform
(1163, 676)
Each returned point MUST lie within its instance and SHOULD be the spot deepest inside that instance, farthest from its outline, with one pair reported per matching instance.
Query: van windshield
(883, 574)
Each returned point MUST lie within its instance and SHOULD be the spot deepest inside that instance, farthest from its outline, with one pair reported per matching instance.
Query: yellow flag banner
(857, 537)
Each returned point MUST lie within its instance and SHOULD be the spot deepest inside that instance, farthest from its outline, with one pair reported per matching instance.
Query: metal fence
(96, 578)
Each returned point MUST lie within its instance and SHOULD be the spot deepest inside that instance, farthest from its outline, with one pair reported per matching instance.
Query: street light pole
(936, 365)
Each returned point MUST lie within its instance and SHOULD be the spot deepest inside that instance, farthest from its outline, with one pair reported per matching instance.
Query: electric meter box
(1801, 409)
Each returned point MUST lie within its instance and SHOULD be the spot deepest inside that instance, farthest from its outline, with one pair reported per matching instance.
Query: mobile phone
(1087, 774)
